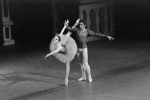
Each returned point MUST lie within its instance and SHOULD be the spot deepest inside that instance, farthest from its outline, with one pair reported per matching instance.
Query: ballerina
(64, 48)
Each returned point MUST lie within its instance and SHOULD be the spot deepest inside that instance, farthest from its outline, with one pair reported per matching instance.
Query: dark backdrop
(132, 19)
(33, 19)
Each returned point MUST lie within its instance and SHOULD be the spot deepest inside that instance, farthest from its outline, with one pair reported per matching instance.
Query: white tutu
(71, 49)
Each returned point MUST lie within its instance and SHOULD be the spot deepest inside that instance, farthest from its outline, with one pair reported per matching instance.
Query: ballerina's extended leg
(67, 72)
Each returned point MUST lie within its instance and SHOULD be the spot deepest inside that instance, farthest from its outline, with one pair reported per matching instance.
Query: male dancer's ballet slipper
(90, 80)
(81, 79)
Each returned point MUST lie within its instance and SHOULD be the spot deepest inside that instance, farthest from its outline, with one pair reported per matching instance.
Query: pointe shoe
(66, 82)
(90, 80)
(81, 79)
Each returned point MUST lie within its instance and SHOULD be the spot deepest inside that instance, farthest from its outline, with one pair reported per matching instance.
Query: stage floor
(120, 71)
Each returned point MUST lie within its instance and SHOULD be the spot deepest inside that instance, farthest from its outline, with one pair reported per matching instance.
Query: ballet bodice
(63, 50)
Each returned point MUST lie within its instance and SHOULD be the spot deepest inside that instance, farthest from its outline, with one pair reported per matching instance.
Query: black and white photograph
(75, 50)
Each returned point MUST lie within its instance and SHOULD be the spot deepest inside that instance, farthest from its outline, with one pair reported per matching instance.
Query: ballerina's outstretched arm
(59, 46)
(73, 28)
(54, 52)
(65, 25)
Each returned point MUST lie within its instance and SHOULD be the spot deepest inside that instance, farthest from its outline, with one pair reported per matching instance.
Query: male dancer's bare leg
(83, 68)
(85, 62)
